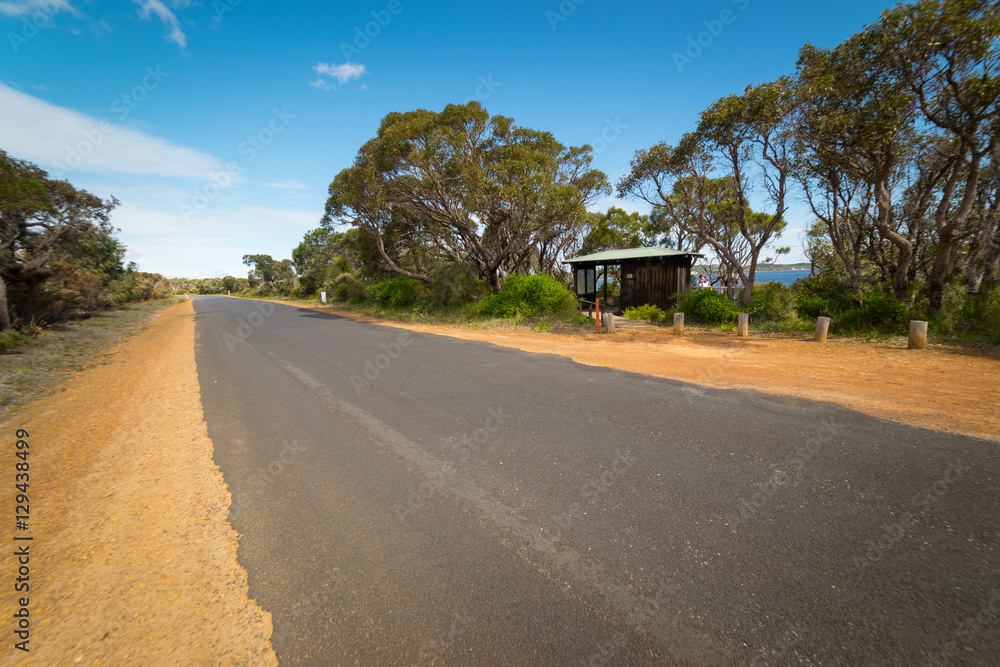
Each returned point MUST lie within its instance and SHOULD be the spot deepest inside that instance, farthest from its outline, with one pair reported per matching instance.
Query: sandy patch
(133, 561)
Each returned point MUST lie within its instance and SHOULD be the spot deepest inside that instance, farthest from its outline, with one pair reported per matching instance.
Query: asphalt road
(406, 498)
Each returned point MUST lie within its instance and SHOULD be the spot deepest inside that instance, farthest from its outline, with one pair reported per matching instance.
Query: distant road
(406, 498)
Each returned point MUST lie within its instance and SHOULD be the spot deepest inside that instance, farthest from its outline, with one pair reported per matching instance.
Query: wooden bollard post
(822, 326)
(742, 324)
(918, 335)
(678, 323)
(608, 321)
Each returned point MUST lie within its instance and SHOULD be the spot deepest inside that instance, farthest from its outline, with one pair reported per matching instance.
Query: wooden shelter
(648, 275)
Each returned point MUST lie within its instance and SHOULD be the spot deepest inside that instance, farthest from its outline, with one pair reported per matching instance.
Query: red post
(597, 302)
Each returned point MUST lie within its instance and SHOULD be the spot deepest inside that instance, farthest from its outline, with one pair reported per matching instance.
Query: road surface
(405, 498)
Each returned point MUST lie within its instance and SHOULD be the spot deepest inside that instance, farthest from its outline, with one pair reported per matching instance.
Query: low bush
(772, 302)
(708, 306)
(11, 339)
(879, 311)
(398, 292)
(527, 296)
(347, 288)
(647, 312)
(455, 285)
(825, 294)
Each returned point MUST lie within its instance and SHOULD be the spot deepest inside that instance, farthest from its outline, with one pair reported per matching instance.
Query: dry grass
(30, 371)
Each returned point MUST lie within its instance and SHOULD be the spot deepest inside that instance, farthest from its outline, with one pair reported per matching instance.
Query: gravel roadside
(133, 560)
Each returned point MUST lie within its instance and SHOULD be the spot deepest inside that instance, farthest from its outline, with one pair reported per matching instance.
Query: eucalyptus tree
(37, 214)
(741, 152)
(945, 53)
(854, 128)
(270, 275)
(617, 228)
(461, 185)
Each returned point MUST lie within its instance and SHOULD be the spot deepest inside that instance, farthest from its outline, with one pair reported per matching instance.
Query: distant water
(783, 277)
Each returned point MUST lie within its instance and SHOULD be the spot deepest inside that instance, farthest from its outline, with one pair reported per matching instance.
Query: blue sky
(219, 124)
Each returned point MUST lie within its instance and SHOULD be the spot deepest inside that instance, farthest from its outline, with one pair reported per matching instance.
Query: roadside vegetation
(891, 140)
(59, 259)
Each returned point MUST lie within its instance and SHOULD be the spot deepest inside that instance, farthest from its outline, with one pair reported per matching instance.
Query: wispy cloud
(26, 7)
(336, 74)
(50, 135)
(169, 19)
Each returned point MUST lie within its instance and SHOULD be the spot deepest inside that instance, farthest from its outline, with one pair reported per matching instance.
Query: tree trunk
(941, 271)
(905, 247)
(4, 312)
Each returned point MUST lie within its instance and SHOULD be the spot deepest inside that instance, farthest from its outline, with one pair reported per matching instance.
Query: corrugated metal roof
(613, 256)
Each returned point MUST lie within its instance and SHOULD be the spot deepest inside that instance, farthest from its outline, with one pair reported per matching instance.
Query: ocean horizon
(786, 277)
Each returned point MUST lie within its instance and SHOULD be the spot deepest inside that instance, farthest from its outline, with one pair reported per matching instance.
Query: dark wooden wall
(654, 281)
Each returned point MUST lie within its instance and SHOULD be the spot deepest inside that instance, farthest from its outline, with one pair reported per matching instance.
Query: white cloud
(341, 73)
(161, 242)
(147, 7)
(32, 7)
(67, 141)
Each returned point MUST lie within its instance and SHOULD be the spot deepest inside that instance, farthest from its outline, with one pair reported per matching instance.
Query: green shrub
(527, 296)
(708, 306)
(398, 292)
(11, 339)
(646, 312)
(348, 288)
(880, 311)
(455, 285)
(826, 294)
(772, 302)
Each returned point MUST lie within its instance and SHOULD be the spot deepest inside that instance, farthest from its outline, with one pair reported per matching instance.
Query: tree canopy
(463, 186)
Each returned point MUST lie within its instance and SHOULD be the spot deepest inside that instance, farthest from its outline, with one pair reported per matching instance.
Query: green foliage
(322, 256)
(398, 292)
(879, 312)
(826, 294)
(707, 306)
(527, 296)
(415, 186)
(455, 285)
(347, 287)
(618, 229)
(772, 302)
(647, 312)
(873, 309)
(11, 339)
